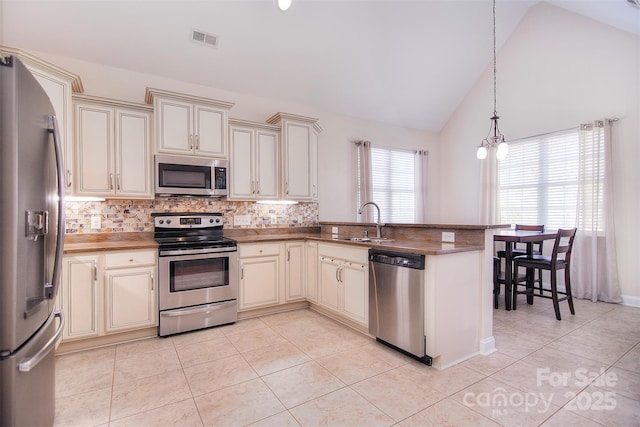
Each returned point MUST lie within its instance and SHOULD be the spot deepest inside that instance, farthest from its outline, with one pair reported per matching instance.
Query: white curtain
(594, 273)
(422, 158)
(364, 189)
(488, 212)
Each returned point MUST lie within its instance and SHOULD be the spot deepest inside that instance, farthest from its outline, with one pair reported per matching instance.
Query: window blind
(538, 181)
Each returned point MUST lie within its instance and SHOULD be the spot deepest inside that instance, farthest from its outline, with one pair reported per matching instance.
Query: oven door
(194, 279)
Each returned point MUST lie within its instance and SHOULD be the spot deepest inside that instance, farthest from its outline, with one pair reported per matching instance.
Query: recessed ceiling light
(284, 4)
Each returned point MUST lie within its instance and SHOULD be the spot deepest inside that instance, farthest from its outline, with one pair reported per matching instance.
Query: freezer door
(27, 379)
(29, 206)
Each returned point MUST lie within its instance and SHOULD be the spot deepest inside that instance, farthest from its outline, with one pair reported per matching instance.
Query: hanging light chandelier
(494, 138)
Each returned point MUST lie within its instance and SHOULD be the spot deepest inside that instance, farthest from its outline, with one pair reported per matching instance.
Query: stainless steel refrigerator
(31, 241)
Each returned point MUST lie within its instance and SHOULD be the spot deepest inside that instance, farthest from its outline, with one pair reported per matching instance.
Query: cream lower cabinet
(311, 255)
(295, 277)
(80, 297)
(130, 291)
(260, 275)
(108, 292)
(344, 281)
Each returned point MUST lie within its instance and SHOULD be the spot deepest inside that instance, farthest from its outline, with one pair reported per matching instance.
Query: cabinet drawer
(129, 259)
(253, 250)
(344, 252)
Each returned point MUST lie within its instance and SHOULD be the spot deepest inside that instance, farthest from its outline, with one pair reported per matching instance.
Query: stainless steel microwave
(190, 176)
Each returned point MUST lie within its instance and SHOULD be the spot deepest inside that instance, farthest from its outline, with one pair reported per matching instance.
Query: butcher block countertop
(422, 239)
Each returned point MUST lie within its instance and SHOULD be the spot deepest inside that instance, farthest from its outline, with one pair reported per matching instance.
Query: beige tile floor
(301, 368)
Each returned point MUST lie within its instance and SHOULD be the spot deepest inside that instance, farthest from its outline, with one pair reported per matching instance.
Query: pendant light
(494, 138)
(284, 4)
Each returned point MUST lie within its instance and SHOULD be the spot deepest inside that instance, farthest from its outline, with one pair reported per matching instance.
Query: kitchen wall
(336, 153)
(135, 215)
(558, 69)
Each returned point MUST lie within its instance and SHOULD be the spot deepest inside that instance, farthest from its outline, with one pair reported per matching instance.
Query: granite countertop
(97, 242)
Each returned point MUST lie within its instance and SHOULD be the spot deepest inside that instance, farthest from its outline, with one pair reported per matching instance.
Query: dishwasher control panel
(398, 259)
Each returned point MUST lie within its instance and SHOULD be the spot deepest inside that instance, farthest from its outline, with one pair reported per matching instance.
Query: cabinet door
(329, 289)
(59, 91)
(133, 154)
(294, 271)
(266, 165)
(355, 285)
(259, 282)
(314, 165)
(94, 148)
(297, 151)
(312, 271)
(210, 131)
(174, 126)
(79, 297)
(241, 173)
(129, 299)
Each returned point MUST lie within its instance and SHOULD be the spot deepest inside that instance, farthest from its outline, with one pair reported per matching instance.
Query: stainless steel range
(197, 272)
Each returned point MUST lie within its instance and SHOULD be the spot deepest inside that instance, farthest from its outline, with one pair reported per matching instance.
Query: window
(394, 175)
(538, 181)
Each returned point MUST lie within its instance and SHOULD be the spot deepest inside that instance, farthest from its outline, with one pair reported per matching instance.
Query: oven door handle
(206, 309)
(178, 252)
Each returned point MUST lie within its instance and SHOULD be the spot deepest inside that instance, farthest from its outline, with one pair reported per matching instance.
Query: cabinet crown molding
(34, 61)
(114, 103)
(279, 117)
(151, 92)
(248, 123)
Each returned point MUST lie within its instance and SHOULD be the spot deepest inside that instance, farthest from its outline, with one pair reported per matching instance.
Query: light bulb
(503, 149)
(481, 154)
(284, 4)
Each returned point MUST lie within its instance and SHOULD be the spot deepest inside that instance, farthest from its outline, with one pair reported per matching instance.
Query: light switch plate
(242, 220)
(96, 222)
(448, 236)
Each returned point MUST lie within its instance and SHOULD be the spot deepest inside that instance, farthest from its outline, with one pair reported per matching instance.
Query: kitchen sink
(366, 239)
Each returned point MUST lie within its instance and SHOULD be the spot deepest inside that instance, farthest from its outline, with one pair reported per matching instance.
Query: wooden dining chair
(560, 259)
(499, 280)
(522, 250)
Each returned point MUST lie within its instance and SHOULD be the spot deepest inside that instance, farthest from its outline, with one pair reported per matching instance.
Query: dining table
(510, 237)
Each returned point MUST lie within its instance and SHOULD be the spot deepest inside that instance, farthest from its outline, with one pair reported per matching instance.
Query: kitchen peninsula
(458, 280)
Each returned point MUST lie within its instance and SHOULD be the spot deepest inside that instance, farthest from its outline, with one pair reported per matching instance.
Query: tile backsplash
(117, 216)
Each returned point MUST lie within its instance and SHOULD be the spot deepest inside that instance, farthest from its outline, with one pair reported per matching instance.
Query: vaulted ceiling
(408, 63)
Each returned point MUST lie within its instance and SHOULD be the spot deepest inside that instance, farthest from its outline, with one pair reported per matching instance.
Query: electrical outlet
(274, 220)
(242, 220)
(299, 219)
(334, 230)
(448, 236)
(96, 222)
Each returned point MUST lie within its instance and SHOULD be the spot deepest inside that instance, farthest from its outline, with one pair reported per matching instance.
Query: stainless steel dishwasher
(396, 301)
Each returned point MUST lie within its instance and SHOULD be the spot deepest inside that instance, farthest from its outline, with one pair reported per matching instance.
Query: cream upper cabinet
(113, 148)
(59, 84)
(189, 125)
(299, 152)
(254, 162)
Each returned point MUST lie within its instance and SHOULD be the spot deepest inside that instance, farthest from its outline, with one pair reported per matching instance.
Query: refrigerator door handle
(52, 287)
(28, 364)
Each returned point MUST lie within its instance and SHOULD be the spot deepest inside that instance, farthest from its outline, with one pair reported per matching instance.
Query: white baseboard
(633, 301)
(487, 345)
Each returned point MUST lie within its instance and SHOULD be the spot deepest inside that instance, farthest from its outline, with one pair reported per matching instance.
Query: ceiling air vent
(634, 3)
(210, 40)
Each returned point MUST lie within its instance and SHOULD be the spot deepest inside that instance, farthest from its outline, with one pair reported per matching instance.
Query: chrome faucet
(378, 224)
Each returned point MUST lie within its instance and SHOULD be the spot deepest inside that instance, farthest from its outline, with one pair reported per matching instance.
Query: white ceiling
(408, 63)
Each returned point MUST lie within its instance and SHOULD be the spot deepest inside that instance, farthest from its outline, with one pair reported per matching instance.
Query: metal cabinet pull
(288, 255)
(118, 181)
(190, 141)
(242, 273)
(69, 174)
(95, 271)
(197, 142)
(153, 279)
(111, 181)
